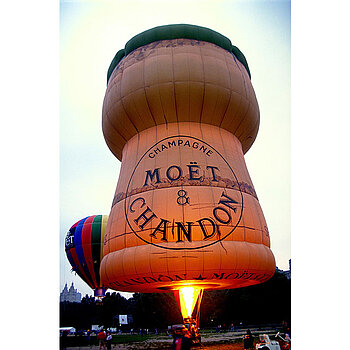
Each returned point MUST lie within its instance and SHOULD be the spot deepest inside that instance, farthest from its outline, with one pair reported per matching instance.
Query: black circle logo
(183, 195)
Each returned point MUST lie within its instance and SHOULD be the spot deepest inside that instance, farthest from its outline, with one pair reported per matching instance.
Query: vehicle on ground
(67, 330)
(265, 343)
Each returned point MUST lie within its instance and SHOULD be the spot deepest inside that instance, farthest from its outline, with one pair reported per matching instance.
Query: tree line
(269, 302)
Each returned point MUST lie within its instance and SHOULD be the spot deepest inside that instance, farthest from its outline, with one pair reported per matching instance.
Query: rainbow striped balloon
(84, 250)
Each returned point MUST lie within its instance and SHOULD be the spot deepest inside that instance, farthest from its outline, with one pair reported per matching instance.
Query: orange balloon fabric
(179, 80)
(180, 114)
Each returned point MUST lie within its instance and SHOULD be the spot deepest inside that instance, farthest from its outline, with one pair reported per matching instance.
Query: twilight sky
(91, 32)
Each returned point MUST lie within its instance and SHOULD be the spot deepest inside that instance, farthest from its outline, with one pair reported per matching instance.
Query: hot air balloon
(180, 112)
(84, 245)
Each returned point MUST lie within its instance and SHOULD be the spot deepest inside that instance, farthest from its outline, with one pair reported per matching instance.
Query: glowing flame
(188, 297)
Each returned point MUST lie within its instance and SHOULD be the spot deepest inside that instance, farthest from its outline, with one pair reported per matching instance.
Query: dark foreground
(213, 341)
(233, 346)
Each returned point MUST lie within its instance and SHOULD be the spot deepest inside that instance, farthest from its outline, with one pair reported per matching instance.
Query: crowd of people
(183, 338)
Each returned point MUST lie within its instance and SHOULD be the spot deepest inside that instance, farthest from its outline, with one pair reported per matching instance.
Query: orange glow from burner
(188, 297)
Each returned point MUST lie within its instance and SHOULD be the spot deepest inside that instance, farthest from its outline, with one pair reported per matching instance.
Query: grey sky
(90, 35)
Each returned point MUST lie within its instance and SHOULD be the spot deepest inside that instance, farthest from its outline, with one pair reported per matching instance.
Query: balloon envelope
(180, 112)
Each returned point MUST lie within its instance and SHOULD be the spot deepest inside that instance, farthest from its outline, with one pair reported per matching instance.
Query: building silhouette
(72, 295)
(288, 272)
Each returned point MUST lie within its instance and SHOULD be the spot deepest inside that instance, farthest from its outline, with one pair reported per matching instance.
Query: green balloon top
(177, 31)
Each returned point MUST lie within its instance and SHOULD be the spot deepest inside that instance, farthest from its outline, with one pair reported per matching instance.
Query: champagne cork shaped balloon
(179, 113)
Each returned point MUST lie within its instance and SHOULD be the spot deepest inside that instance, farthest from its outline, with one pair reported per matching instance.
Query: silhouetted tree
(155, 310)
(269, 302)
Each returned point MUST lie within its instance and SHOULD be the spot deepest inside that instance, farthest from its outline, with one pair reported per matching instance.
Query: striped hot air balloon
(84, 248)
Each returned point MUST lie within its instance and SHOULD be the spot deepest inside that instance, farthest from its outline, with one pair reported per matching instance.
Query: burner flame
(188, 297)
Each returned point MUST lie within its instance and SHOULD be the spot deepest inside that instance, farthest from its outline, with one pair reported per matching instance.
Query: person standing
(177, 335)
(287, 342)
(182, 339)
(186, 339)
(109, 341)
(248, 340)
(101, 337)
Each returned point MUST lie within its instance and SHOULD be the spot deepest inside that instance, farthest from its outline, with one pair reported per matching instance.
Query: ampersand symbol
(182, 199)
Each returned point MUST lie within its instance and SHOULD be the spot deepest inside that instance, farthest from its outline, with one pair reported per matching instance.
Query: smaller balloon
(84, 248)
